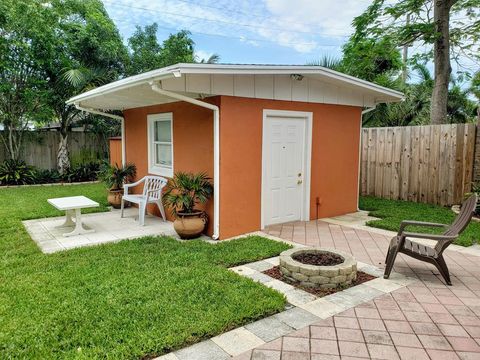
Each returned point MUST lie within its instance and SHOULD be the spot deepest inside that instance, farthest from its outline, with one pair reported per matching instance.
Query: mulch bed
(276, 274)
(319, 259)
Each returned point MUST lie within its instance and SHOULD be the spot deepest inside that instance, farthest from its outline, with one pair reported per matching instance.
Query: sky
(247, 31)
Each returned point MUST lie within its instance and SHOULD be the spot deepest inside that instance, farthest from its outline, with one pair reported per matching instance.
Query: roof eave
(115, 86)
(182, 68)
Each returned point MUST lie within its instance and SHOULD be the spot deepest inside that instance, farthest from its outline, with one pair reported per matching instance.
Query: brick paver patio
(425, 320)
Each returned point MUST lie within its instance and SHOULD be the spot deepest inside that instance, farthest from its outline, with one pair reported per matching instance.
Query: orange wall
(335, 152)
(192, 141)
(335, 156)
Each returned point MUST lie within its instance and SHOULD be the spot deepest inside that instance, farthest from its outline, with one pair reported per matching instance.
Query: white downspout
(113, 116)
(216, 150)
(124, 156)
(367, 110)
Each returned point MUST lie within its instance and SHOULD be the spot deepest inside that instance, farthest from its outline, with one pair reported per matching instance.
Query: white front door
(284, 154)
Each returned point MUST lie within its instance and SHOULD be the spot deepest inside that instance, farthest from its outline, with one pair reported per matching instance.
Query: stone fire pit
(326, 277)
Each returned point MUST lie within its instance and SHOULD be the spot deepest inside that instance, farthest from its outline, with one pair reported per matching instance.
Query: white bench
(72, 206)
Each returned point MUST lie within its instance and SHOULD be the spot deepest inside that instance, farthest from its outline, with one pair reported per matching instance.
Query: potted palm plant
(183, 193)
(114, 177)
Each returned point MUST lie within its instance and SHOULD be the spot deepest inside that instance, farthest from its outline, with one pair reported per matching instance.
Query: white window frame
(152, 167)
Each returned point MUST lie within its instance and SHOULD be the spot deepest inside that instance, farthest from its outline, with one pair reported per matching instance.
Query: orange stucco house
(281, 143)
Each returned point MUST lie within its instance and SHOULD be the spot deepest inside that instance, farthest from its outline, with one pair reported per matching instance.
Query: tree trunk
(13, 148)
(405, 56)
(442, 67)
(63, 161)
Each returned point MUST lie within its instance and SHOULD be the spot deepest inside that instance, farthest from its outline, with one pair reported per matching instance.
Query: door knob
(299, 182)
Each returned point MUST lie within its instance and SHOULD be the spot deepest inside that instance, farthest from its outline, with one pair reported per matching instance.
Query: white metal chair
(152, 194)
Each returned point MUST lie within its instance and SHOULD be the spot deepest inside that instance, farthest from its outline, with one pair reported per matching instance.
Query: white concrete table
(73, 206)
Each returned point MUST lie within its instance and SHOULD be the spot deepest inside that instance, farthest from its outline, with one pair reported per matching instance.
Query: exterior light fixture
(297, 77)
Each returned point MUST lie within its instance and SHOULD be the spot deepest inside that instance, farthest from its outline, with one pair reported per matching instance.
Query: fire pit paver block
(318, 276)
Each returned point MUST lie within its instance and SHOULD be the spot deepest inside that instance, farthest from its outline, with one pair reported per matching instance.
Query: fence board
(372, 140)
(405, 163)
(387, 173)
(470, 152)
(397, 153)
(364, 161)
(414, 164)
(430, 164)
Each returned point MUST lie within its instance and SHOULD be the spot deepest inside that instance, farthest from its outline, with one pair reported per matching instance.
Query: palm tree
(328, 62)
(475, 90)
(73, 81)
(414, 110)
(460, 109)
(213, 59)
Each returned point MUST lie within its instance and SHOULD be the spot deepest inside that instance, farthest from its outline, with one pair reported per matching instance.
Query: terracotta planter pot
(114, 198)
(189, 226)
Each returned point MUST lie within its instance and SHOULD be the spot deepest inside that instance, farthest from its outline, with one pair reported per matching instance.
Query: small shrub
(114, 176)
(85, 156)
(46, 176)
(185, 190)
(16, 172)
(83, 172)
(476, 189)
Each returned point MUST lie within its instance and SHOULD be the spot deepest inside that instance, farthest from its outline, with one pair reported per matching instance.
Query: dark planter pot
(190, 225)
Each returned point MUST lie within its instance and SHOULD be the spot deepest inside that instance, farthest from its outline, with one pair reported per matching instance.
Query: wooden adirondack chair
(433, 255)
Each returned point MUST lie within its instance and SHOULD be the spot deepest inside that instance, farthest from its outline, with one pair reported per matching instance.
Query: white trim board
(308, 117)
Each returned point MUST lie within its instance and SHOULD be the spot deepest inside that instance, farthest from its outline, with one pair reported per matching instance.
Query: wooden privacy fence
(431, 164)
(40, 147)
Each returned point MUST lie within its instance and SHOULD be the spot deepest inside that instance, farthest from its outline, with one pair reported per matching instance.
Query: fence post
(476, 162)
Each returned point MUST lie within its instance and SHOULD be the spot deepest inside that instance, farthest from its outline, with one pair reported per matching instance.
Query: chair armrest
(428, 236)
(406, 223)
(127, 186)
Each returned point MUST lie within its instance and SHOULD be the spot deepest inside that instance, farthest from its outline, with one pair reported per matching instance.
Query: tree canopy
(146, 53)
(449, 29)
(377, 51)
(53, 50)
(24, 48)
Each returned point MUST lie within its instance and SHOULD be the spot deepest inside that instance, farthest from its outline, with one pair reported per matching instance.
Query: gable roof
(282, 82)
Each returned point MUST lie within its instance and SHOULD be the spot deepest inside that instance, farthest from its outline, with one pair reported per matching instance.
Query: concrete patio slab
(108, 226)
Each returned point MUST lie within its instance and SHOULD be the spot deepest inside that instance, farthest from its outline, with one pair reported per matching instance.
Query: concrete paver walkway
(425, 320)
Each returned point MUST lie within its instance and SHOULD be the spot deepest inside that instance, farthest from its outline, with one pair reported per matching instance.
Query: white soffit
(280, 82)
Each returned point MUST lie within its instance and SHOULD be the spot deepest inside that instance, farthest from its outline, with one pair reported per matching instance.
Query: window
(160, 147)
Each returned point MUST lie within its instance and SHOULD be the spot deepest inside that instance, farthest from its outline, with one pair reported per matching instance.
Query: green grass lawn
(134, 299)
(392, 212)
